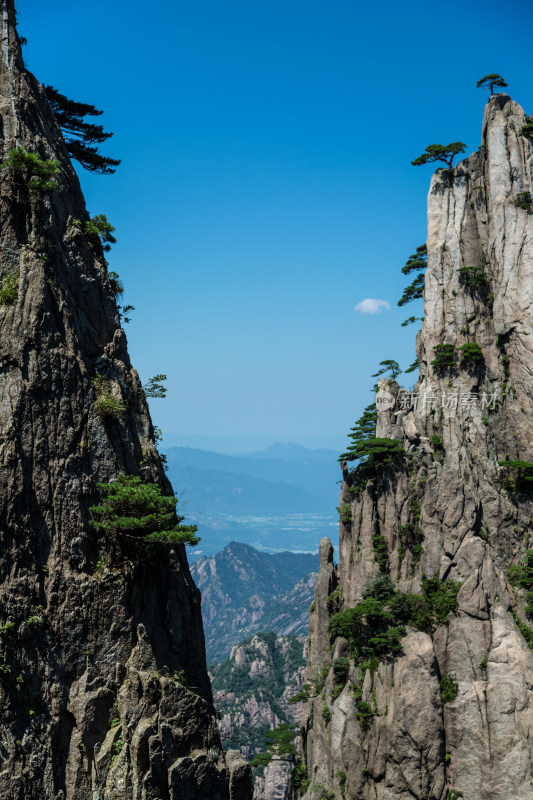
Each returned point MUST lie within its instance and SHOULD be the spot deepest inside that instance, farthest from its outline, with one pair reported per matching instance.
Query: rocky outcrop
(103, 686)
(245, 591)
(273, 783)
(252, 690)
(451, 715)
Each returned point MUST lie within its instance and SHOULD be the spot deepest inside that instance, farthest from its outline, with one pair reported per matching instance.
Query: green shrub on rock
(470, 353)
(527, 129)
(445, 357)
(341, 667)
(448, 688)
(381, 551)
(524, 200)
(369, 628)
(521, 576)
(364, 714)
(345, 514)
(518, 475)
(37, 173)
(441, 596)
(474, 275)
(374, 627)
(106, 404)
(9, 290)
(135, 509)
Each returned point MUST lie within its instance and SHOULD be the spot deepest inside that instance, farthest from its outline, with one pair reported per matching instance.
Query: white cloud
(372, 306)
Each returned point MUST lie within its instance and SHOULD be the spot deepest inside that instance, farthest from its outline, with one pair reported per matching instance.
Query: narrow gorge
(416, 679)
(420, 669)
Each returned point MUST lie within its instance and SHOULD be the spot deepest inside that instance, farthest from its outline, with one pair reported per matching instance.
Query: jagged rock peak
(448, 713)
(103, 685)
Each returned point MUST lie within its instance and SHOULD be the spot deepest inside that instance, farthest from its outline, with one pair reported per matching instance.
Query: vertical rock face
(445, 508)
(93, 702)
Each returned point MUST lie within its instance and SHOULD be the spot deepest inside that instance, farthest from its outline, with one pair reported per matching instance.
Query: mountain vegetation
(252, 691)
(245, 591)
(81, 137)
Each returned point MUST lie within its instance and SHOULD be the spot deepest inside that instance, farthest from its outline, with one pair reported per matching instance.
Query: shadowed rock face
(85, 708)
(471, 525)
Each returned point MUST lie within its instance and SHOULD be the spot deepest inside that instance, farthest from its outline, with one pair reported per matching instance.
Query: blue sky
(266, 185)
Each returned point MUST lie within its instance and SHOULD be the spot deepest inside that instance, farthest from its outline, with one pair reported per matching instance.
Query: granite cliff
(252, 689)
(436, 702)
(104, 691)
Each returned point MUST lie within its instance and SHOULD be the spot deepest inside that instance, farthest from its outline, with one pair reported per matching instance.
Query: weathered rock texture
(251, 691)
(85, 708)
(472, 527)
(245, 591)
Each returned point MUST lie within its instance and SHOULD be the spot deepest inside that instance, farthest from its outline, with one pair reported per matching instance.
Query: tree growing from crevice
(81, 137)
(416, 262)
(99, 228)
(138, 510)
(376, 453)
(364, 429)
(280, 745)
(411, 320)
(440, 152)
(445, 357)
(156, 387)
(36, 173)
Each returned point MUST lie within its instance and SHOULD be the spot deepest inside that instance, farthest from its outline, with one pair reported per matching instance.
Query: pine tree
(415, 291)
(440, 152)
(375, 452)
(363, 430)
(81, 137)
(280, 744)
(490, 81)
(135, 509)
(388, 366)
(417, 261)
(155, 387)
(410, 320)
(99, 228)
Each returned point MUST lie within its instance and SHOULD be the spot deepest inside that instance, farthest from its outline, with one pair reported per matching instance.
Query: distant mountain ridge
(246, 443)
(245, 591)
(236, 494)
(283, 479)
(289, 451)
